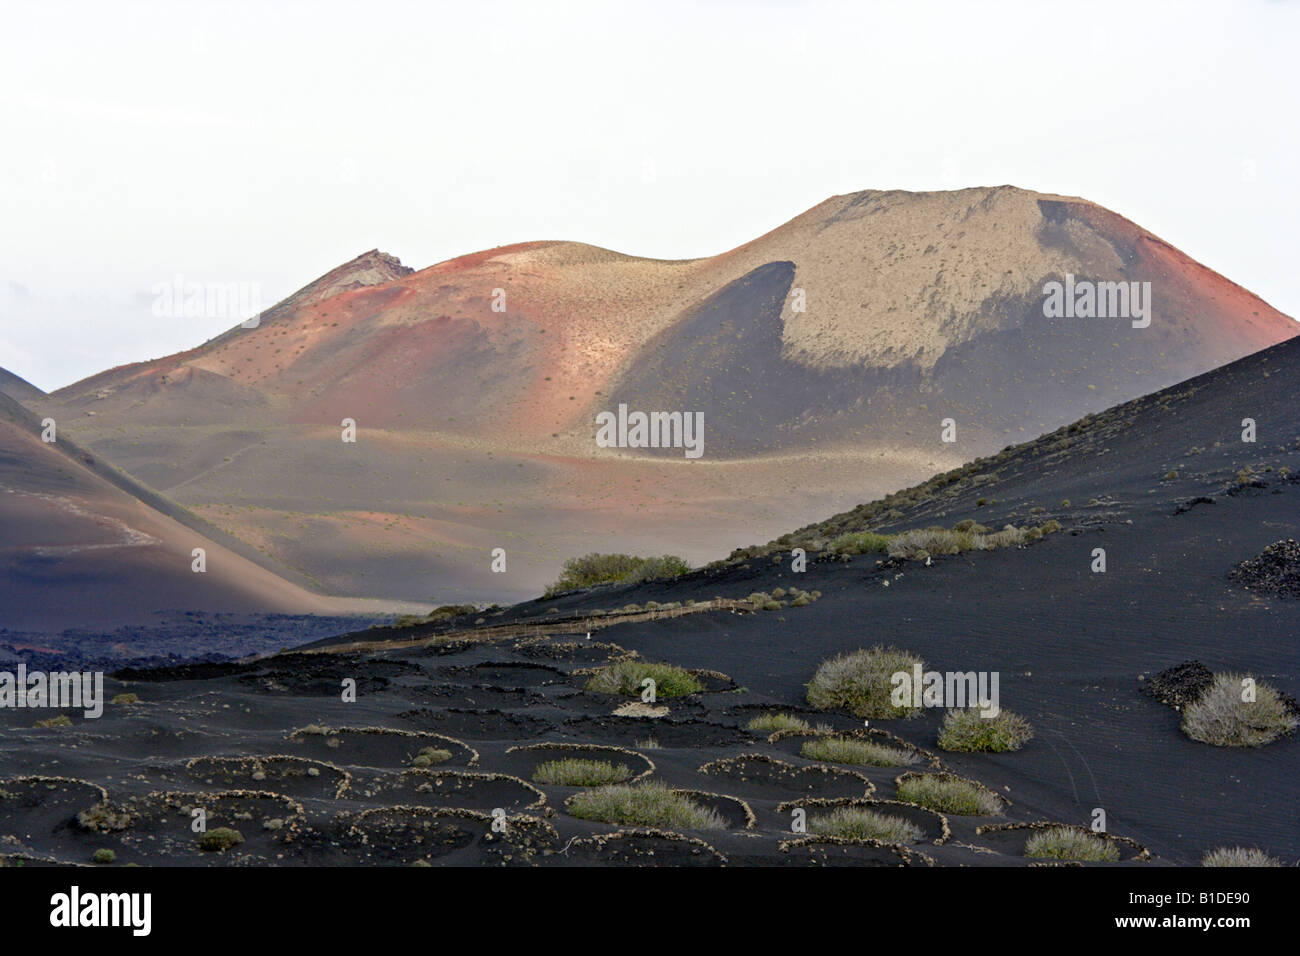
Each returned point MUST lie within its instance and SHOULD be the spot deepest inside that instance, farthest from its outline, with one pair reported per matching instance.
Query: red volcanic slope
(892, 274)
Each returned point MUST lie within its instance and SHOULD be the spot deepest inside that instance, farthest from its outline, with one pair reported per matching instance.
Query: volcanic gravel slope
(1164, 484)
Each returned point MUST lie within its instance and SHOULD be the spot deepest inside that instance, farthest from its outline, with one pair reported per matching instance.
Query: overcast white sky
(267, 142)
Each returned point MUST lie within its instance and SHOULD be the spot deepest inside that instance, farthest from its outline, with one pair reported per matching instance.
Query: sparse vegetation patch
(859, 542)
(852, 823)
(948, 794)
(1071, 843)
(1238, 856)
(860, 682)
(625, 678)
(593, 569)
(967, 731)
(220, 839)
(649, 804)
(1234, 712)
(855, 751)
(771, 723)
(576, 772)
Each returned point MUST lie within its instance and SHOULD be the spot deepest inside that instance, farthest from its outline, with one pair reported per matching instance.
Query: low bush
(220, 839)
(625, 677)
(1238, 856)
(592, 569)
(649, 804)
(912, 545)
(770, 723)
(855, 751)
(1221, 717)
(852, 823)
(859, 542)
(949, 795)
(576, 772)
(860, 682)
(1070, 843)
(966, 731)
(430, 757)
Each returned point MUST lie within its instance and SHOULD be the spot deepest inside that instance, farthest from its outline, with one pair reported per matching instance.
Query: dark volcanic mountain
(1165, 484)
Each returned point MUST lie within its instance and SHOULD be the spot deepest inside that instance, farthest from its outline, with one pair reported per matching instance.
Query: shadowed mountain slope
(82, 543)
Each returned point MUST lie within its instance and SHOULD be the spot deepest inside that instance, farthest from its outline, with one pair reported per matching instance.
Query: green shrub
(103, 856)
(448, 611)
(853, 750)
(1050, 526)
(770, 723)
(1009, 537)
(430, 757)
(625, 677)
(1220, 716)
(1238, 856)
(859, 542)
(220, 839)
(852, 823)
(860, 682)
(1070, 843)
(63, 720)
(576, 772)
(949, 795)
(650, 804)
(912, 545)
(592, 569)
(966, 731)
(125, 699)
